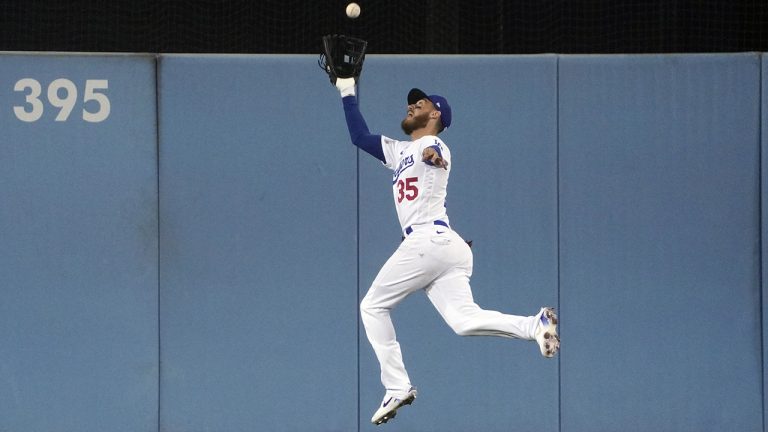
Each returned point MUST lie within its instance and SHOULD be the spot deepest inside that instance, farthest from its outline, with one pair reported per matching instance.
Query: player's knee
(460, 327)
(462, 331)
(366, 306)
(370, 312)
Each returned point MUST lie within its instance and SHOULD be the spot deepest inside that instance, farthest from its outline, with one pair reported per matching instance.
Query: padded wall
(78, 243)
(258, 248)
(659, 210)
(764, 220)
(623, 189)
(502, 195)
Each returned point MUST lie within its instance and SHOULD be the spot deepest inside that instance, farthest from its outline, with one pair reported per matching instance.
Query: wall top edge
(447, 56)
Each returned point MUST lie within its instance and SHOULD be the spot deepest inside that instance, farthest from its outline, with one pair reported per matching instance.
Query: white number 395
(62, 94)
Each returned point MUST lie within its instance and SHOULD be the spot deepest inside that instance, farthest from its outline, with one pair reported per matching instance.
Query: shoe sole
(390, 415)
(551, 338)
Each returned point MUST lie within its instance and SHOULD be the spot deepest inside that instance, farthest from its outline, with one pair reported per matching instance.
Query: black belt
(409, 229)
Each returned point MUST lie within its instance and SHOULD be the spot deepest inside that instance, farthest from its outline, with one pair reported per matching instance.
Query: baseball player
(432, 257)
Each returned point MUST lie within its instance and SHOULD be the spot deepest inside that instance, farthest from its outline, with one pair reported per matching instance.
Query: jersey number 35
(407, 189)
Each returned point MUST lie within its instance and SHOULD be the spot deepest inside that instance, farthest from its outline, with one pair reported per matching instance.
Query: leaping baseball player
(432, 257)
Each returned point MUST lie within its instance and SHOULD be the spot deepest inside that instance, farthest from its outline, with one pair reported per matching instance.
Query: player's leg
(451, 295)
(405, 272)
(375, 308)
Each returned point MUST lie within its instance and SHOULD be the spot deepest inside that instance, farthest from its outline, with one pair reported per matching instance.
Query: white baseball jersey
(419, 189)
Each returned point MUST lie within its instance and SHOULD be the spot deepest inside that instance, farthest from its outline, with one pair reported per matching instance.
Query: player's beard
(414, 123)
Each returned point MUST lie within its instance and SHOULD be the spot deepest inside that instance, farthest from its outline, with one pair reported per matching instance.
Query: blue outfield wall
(78, 243)
(192, 258)
(763, 222)
(659, 253)
(258, 250)
(508, 209)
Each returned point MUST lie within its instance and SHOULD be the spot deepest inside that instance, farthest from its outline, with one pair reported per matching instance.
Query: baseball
(353, 10)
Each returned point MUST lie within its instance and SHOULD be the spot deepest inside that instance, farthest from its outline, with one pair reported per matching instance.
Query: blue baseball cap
(439, 102)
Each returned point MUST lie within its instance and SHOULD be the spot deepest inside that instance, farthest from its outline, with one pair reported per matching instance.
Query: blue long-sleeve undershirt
(358, 130)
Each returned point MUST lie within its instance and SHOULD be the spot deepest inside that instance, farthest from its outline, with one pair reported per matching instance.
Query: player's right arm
(358, 129)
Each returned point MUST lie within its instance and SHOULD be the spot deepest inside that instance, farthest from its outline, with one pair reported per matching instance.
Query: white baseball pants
(436, 259)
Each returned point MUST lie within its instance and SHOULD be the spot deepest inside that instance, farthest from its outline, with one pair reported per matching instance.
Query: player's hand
(431, 156)
(346, 86)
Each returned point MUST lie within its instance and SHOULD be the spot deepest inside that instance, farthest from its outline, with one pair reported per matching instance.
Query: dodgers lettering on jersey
(406, 162)
(419, 189)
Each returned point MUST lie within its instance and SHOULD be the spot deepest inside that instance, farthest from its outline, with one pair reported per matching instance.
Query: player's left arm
(433, 155)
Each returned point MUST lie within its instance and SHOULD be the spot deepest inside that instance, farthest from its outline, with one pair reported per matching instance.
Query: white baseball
(353, 10)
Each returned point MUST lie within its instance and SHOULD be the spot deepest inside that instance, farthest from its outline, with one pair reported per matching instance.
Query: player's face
(417, 116)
